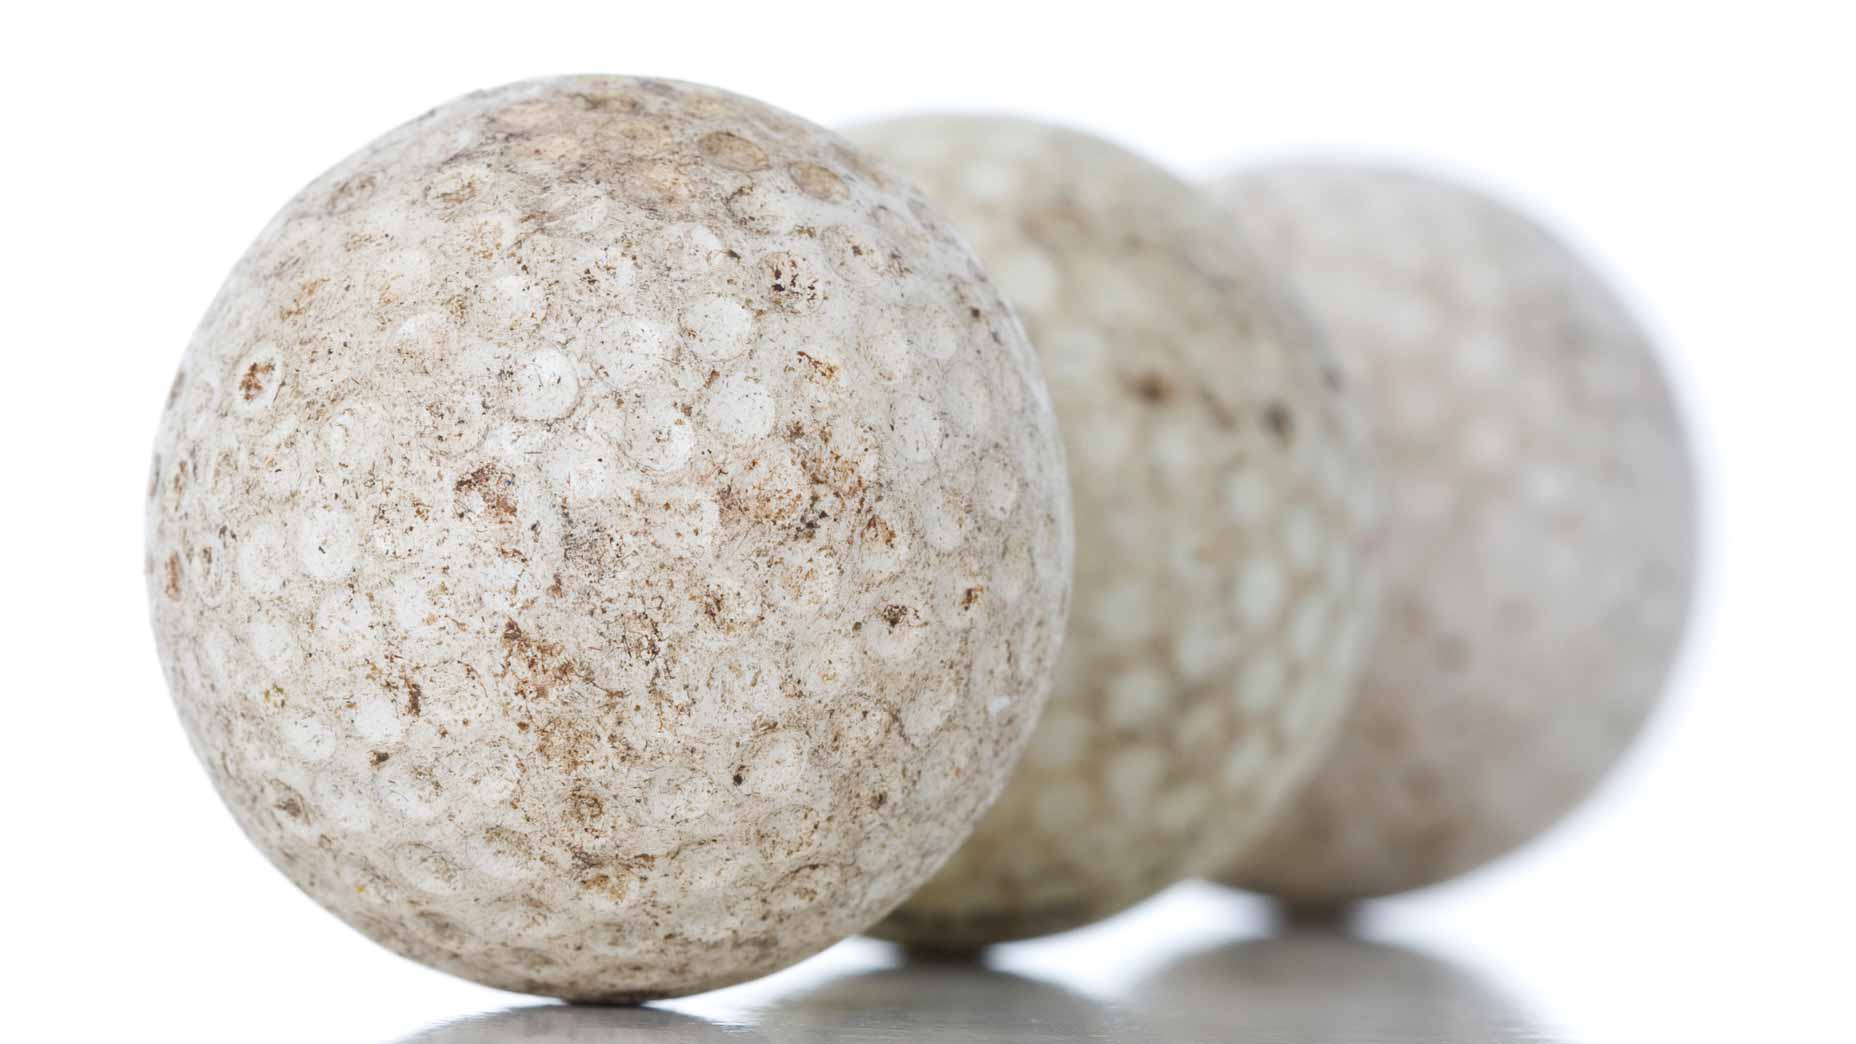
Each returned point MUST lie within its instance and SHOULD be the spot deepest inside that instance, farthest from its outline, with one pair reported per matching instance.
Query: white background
(1705, 162)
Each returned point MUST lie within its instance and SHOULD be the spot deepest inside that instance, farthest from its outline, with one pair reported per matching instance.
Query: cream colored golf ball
(606, 540)
(1222, 500)
(1539, 544)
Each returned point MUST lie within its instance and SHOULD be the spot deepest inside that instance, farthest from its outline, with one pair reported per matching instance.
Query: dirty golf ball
(605, 540)
(1539, 544)
(1221, 501)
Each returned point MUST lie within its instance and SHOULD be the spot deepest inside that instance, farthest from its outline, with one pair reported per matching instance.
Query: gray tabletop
(1307, 985)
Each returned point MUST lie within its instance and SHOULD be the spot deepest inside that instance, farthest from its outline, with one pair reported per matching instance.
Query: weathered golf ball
(1221, 501)
(1540, 533)
(605, 540)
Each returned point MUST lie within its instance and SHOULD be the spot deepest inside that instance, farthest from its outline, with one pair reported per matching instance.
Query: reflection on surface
(564, 1024)
(940, 1001)
(1323, 986)
(1306, 987)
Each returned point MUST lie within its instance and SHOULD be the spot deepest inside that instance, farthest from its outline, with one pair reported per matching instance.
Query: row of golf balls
(611, 538)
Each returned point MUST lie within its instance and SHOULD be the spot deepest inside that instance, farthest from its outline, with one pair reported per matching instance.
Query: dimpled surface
(1220, 504)
(607, 541)
(1539, 544)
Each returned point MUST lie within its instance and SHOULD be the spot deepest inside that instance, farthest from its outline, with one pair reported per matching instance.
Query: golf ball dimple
(1222, 501)
(1539, 545)
(568, 552)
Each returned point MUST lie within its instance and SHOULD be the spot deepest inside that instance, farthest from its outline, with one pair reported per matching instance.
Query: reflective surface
(1307, 986)
(1326, 987)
